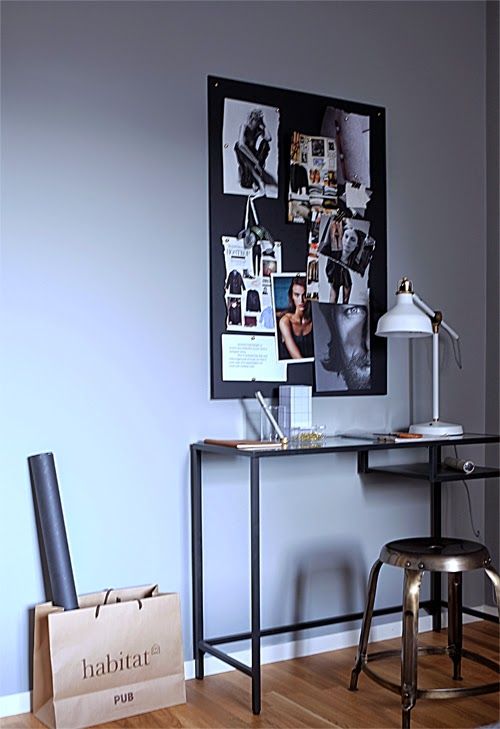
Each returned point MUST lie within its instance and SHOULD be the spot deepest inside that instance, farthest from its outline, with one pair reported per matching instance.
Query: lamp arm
(430, 312)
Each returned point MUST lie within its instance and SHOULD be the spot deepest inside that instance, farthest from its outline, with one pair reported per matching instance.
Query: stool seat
(415, 556)
(442, 555)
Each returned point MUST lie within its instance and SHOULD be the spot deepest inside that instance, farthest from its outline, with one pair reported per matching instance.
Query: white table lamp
(411, 317)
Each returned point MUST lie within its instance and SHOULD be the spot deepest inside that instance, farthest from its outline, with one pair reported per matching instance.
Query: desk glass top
(339, 444)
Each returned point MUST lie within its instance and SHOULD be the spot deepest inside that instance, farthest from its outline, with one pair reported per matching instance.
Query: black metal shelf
(421, 470)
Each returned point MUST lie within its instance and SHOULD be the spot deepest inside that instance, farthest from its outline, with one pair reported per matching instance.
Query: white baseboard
(490, 609)
(305, 647)
(15, 704)
(21, 703)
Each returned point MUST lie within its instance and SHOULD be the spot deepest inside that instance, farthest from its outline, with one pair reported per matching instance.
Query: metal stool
(416, 556)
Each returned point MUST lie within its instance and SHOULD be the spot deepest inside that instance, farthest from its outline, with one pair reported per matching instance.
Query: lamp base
(437, 428)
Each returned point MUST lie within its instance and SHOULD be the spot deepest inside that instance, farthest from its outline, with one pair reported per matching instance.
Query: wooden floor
(312, 692)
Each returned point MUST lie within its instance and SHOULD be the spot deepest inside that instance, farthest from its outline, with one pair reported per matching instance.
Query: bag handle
(118, 599)
(258, 229)
(250, 210)
(251, 199)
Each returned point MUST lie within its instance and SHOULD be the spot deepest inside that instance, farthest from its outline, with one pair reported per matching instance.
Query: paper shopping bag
(120, 654)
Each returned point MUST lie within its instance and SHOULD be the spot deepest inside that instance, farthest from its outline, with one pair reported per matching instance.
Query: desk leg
(436, 532)
(255, 581)
(363, 466)
(197, 560)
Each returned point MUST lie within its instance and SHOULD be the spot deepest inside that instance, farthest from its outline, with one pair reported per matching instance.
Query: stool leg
(455, 622)
(365, 626)
(495, 578)
(411, 594)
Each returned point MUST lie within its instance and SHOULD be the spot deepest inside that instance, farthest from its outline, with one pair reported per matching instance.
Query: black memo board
(302, 112)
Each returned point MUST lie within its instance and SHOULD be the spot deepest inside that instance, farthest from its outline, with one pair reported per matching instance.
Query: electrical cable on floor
(475, 531)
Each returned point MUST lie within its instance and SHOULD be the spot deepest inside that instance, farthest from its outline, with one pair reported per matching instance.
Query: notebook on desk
(243, 444)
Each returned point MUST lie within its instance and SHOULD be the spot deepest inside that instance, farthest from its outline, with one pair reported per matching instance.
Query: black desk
(432, 471)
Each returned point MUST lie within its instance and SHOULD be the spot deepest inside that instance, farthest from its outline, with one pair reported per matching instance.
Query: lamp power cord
(457, 352)
(475, 531)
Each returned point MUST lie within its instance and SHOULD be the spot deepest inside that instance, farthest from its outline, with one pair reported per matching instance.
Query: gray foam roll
(55, 542)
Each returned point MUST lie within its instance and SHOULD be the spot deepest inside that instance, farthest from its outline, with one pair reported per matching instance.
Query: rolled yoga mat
(55, 542)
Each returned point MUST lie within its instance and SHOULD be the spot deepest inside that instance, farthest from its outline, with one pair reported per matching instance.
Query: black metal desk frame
(432, 471)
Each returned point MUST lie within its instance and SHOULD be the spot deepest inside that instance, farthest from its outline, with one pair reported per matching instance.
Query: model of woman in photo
(296, 324)
(252, 150)
(344, 247)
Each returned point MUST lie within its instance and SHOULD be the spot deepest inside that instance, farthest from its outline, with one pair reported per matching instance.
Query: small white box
(297, 400)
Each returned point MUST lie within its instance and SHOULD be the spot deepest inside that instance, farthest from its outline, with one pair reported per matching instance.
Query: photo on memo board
(293, 317)
(298, 250)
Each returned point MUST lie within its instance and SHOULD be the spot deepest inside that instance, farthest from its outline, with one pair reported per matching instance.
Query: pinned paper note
(357, 198)
(251, 358)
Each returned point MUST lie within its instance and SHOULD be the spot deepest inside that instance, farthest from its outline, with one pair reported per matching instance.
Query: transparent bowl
(313, 436)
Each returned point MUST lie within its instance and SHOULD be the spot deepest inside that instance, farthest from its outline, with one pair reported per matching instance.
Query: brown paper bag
(120, 654)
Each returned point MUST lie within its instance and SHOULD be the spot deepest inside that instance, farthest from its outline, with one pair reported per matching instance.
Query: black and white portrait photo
(250, 148)
(341, 345)
(318, 147)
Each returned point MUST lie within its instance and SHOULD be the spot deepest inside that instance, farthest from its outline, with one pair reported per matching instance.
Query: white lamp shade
(405, 319)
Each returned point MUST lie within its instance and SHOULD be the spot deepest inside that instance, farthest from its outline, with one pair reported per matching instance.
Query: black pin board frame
(302, 112)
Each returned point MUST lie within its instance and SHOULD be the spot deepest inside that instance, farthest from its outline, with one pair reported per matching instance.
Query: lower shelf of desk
(421, 470)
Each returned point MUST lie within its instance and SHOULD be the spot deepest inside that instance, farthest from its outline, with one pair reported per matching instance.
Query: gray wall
(105, 291)
(492, 490)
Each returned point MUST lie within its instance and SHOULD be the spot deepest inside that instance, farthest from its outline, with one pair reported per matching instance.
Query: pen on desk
(375, 438)
(381, 437)
(270, 417)
(409, 436)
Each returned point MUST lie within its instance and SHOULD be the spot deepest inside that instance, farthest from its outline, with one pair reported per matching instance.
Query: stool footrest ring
(438, 693)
